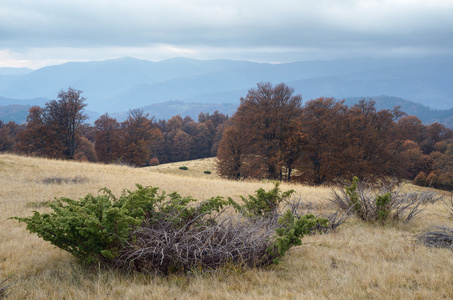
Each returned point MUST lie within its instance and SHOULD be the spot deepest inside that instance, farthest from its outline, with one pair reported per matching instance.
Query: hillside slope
(357, 261)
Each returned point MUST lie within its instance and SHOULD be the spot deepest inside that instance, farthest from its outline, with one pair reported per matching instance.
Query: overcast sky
(35, 33)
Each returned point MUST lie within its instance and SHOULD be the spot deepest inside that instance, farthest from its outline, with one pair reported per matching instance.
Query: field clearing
(358, 261)
(196, 168)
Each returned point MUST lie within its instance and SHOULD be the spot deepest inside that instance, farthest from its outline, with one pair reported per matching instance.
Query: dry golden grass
(359, 261)
(196, 168)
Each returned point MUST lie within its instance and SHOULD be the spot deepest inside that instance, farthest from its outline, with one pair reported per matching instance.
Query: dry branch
(438, 237)
(4, 287)
(162, 246)
(403, 206)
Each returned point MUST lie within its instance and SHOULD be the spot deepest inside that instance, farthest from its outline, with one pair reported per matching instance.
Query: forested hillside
(272, 135)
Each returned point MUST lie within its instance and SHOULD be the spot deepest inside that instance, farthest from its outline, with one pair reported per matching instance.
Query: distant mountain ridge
(117, 85)
(426, 114)
(165, 110)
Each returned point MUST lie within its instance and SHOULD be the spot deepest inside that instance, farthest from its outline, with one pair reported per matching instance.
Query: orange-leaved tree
(265, 129)
(53, 130)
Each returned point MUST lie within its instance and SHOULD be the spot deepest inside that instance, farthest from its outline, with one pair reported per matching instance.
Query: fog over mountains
(192, 86)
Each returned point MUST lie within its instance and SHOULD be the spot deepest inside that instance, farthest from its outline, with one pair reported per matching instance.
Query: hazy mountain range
(187, 87)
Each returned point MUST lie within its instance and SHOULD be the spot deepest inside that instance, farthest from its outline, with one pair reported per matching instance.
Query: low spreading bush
(94, 227)
(207, 172)
(372, 202)
(145, 230)
(184, 168)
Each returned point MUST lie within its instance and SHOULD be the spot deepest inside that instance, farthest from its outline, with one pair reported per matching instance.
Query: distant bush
(207, 172)
(184, 168)
(421, 180)
(169, 233)
(441, 180)
(371, 202)
(79, 156)
(154, 161)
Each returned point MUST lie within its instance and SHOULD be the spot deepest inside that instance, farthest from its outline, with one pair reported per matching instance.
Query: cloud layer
(44, 32)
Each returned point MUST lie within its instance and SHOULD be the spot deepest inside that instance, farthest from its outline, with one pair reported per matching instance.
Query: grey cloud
(326, 25)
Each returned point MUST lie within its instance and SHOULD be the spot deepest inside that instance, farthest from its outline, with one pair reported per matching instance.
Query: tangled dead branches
(371, 202)
(438, 237)
(164, 247)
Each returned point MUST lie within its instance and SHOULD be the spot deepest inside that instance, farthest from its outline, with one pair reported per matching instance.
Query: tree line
(58, 130)
(273, 135)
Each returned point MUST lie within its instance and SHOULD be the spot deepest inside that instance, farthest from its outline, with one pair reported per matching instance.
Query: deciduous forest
(273, 135)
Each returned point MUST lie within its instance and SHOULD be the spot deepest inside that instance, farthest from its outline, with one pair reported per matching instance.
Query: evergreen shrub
(150, 231)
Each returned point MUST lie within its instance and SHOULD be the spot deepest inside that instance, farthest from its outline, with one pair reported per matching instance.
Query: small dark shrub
(154, 161)
(372, 202)
(184, 168)
(207, 172)
(421, 180)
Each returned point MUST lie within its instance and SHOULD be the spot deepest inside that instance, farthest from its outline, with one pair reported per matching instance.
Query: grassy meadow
(358, 261)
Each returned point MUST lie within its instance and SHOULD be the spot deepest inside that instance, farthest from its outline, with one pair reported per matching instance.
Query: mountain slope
(121, 84)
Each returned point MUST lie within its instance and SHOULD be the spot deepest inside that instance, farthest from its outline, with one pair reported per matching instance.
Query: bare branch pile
(164, 247)
(438, 237)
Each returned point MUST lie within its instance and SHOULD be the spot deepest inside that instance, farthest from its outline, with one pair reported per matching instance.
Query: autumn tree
(433, 134)
(217, 137)
(412, 128)
(107, 139)
(137, 137)
(202, 141)
(266, 119)
(38, 138)
(178, 144)
(230, 154)
(8, 135)
(216, 118)
(373, 140)
(324, 147)
(53, 130)
(85, 150)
